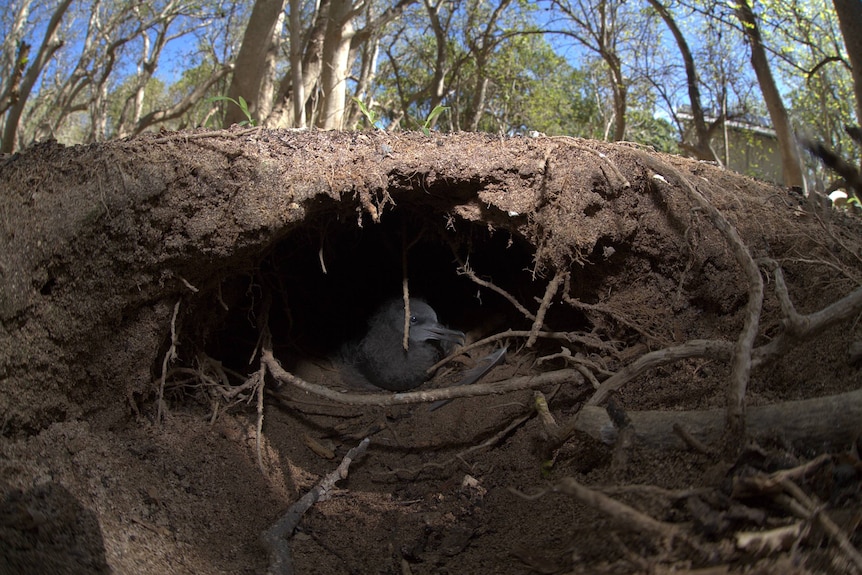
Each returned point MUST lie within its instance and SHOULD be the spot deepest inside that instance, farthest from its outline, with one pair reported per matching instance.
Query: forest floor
(476, 487)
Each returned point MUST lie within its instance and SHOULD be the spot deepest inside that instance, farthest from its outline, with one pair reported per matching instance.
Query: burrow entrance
(325, 277)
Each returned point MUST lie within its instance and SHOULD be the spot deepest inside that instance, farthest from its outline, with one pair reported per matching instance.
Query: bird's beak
(438, 332)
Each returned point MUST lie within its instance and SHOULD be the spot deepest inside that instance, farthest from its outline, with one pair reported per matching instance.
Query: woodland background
(666, 73)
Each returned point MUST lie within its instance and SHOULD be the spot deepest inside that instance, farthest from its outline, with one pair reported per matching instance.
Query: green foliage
(533, 88)
(370, 115)
(241, 103)
(429, 121)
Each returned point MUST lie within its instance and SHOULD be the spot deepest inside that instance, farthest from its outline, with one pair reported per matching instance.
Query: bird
(379, 357)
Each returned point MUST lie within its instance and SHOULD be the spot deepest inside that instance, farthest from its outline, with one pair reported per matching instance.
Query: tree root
(275, 538)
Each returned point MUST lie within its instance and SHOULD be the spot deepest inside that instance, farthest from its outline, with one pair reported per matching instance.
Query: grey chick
(379, 358)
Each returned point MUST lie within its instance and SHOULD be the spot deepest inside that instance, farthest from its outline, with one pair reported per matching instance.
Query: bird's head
(424, 325)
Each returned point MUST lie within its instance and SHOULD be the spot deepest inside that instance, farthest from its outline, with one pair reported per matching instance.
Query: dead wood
(834, 420)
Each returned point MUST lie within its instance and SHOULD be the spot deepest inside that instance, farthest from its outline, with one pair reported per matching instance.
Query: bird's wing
(485, 365)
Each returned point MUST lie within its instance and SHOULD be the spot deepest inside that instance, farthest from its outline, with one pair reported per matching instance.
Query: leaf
(438, 109)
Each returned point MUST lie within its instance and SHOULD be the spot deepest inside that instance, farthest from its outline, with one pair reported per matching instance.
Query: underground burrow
(322, 280)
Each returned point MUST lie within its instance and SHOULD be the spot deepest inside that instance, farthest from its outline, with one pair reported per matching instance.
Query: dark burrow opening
(326, 276)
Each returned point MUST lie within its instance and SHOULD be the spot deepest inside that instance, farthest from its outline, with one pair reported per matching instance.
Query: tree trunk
(284, 113)
(620, 94)
(701, 148)
(333, 76)
(267, 83)
(850, 19)
(251, 61)
(49, 46)
(296, 64)
(791, 165)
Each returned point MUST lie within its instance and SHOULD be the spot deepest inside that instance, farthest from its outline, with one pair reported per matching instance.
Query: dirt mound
(680, 389)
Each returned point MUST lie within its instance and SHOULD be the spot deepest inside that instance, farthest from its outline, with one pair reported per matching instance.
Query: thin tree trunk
(791, 166)
(701, 148)
(267, 82)
(296, 64)
(251, 59)
(284, 112)
(850, 19)
(619, 90)
(333, 76)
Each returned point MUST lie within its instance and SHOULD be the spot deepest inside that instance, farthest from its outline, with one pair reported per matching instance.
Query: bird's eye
(413, 320)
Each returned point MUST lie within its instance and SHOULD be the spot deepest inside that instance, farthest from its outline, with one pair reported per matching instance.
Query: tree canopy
(667, 73)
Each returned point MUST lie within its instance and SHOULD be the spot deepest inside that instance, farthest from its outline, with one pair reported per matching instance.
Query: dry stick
(275, 538)
(180, 136)
(691, 440)
(550, 292)
(815, 510)
(570, 337)
(625, 515)
(170, 355)
(830, 420)
(261, 383)
(405, 291)
(464, 269)
(742, 351)
(549, 424)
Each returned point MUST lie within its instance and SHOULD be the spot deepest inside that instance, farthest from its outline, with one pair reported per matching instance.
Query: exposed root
(275, 539)
(742, 350)
(381, 399)
(170, 356)
(465, 269)
(625, 515)
(550, 292)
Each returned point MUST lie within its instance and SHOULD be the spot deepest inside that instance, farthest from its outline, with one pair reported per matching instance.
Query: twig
(691, 440)
(815, 511)
(617, 316)
(570, 337)
(464, 269)
(621, 513)
(261, 381)
(183, 136)
(275, 538)
(549, 424)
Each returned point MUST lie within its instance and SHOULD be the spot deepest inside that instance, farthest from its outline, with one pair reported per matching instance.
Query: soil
(143, 278)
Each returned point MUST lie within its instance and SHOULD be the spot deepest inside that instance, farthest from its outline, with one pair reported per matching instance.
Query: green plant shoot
(241, 104)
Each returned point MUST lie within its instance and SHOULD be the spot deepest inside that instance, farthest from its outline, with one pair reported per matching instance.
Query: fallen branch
(825, 420)
(275, 539)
